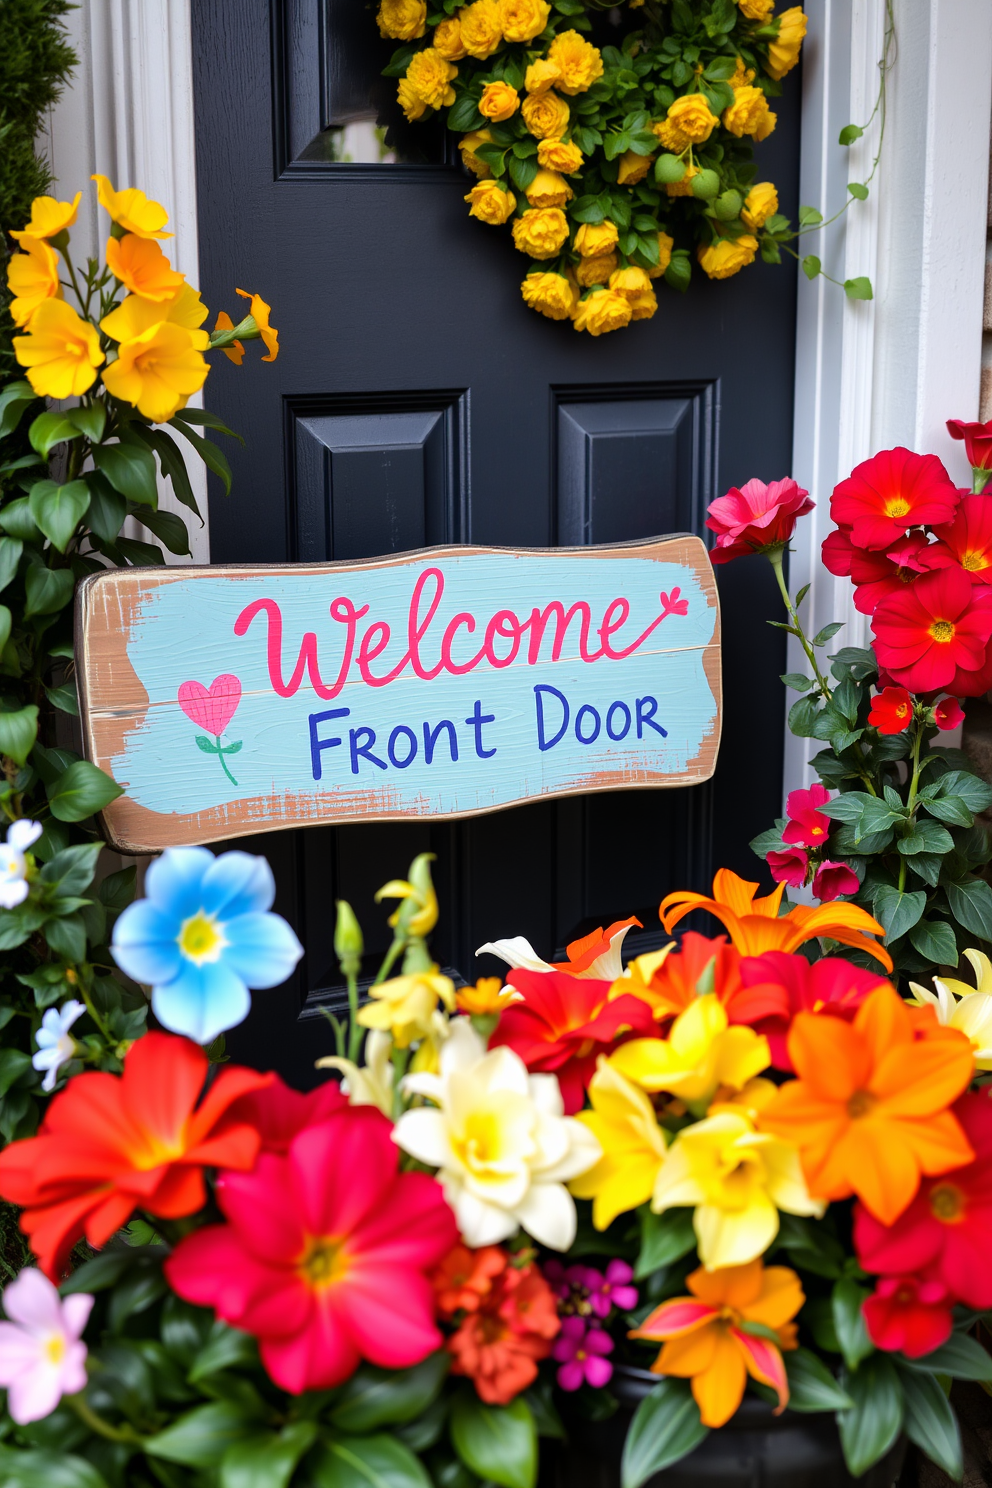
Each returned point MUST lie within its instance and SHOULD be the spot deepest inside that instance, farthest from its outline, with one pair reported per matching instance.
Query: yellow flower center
(324, 1261)
(200, 938)
(942, 631)
(480, 1144)
(861, 1104)
(974, 561)
(947, 1203)
(896, 507)
(55, 1348)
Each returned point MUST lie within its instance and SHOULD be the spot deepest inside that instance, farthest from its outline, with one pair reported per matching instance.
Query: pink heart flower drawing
(212, 708)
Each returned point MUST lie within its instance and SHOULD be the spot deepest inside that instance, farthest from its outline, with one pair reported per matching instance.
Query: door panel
(416, 400)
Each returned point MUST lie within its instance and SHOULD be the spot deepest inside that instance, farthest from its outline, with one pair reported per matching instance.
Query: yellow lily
(622, 1120)
(421, 916)
(405, 1006)
(968, 1009)
(370, 1084)
(486, 998)
(701, 1053)
(737, 1179)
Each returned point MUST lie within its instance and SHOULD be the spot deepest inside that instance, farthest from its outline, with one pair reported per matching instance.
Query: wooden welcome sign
(439, 683)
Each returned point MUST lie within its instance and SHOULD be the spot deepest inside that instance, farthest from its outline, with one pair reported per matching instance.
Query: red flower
(934, 634)
(891, 492)
(564, 1023)
(946, 1228)
(671, 980)
(325, 1254)
(499, 1343)
(278, 1113)
(977, 441)
(967, 540)
(833, 879)
(465, 1277)
(755, 517)
(831, 985)
(891, 710)
(948, 713)
(110, 1144)
(877, 574)
(788, 866)
(908, 1315)
(808, 827)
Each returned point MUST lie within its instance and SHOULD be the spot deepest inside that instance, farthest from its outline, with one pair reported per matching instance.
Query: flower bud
(348, 942)
(668, 169)
(706, 185)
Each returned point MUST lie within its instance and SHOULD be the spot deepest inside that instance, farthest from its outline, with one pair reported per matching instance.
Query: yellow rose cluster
(607, 187)
(147, 345)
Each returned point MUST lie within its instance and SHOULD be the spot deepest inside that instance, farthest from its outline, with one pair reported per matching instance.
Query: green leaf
(117, 889)
(201, 1437)
(926, 836)
(464, 114)
(16, 519)
(498, 1442)
(66, 937)
(47, 590)
(664, 1238)
(811, 266)
(971, 905)
(15, 399)
(934, 939)
(803, 717)
(665, 1428)
(679, 272)
(48, 430)
(90, 421)
(962, 1357)
(99, 1273)
(168, 528)
(13, 1063)
(58, 510)
(849, 134)
(141, 554)
(18, 732)
(368, 1462)
(975, 793)
(172, 462)
(849, 1324)
(40, 1469)
(522, 172)
(951, 809)
(827, 633)
(860, 192)
(930, 1422)
(130, 469)
(73, 868)
(797, 681)
(6, 621)
(11, 549)
(812, 1387)
(267, 1460)
(809, 217)
(64, 698)
(389, 1397)
(858, 289)
(225, 1346)
(80, 791)
(108, 507)
(868, 1430)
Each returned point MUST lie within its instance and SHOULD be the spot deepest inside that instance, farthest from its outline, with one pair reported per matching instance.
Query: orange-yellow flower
(755, 926)
(49, 217)
(236, 351)
(33, 278)
(132, 210)
(869, 1110)
(61, 351)
(160, 362)
(142, 267)
(705, 1341)
(488, 996)
(260, 313)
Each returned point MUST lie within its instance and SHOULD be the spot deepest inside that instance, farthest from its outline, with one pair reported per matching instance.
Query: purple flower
(611, 1290)
(554, 1274)
(580, 1354)
(42, 1356)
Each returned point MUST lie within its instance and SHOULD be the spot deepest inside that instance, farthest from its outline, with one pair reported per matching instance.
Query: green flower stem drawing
(219, 750)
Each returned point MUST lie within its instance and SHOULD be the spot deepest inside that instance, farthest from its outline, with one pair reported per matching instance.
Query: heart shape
(213, 707)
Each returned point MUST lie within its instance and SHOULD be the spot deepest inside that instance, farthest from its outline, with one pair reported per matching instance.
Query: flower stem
(775, 559)
(354, 1027)
(95, 1422)
(223, 761)
(399, 941)
(914, 785)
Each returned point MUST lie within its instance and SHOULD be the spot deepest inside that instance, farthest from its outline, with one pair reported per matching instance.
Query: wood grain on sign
(439, 683)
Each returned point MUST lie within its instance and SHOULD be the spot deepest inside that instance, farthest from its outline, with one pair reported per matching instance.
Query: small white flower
(968, 1009)
(55, 1047)
(42, 1355)
(13, 864)
(370, 1084)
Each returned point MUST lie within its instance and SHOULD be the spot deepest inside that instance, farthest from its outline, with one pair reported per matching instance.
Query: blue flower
(55, 1047)
(202, 937)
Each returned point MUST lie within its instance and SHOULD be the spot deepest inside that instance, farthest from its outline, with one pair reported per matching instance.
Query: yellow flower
(541, 232)
(259, 313)
(142, 267)
(132, 210)
(61, 351)
(137, 315)
(783, 52)
(468, 144)
(766, 125)
(760, 203)
(683, 187)
(560, 155)
(546, 115)
(580, 63)
(633, 168)
(548, 189)
(724, 259)
(690, 121)
(33, 278)
(596, 270)
(491, 203)
(602, 311)
(236, 351)
(417, 909)
(969, 1009)
(49, 217)
(742, 75)
(737, 1179)
(630, 282)
(552, 295)
(542, 75)
(756, 10)
(701, 1053)
(410, 100)
(595, 238)
(187, 309)
(405, 1006)
(747, 112)
(448, 40)
(622, 1120)
(481, 28)
(487, 997)
(156, 370)
(403, 20)
(498, 102)
(522, 20)
(644, 305)
(370, 1084)
(665, 246)
(430, 76)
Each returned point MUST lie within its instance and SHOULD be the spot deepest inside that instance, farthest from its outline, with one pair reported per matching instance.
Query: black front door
(416, 400)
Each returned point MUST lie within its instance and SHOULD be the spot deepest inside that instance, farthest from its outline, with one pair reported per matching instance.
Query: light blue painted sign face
(444, 683)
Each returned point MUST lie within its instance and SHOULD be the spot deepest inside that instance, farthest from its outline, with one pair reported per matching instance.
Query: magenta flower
(611, 1290)
(42, 1356)
(788, 866)
(834, 879)
(581, 1355)
(755, 517)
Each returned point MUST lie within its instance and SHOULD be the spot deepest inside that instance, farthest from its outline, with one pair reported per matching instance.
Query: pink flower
(808, 827)
(755, 517)
(611, 1290)
(581, 1355)
(977, 441)
(908, 1315)
(325, 1254)
(42, 1356)
(788, 866)
(832, 880)
(948, 713)
(278, 1113)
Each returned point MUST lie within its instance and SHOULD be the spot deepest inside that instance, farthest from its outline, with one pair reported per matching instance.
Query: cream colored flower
(968, 1009)
(405, 1006)
(520, 954)
(370, 1084)
(503, 1148)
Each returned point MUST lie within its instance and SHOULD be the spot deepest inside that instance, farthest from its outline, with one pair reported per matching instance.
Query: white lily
(13, 865)
(969, 1009)
(370, 1084)
(500, 1140)
(519, 954)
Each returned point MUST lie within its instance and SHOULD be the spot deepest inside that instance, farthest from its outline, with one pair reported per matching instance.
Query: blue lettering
(400, 730)
(317, 745)
(431, 737)
(476, 720)
(542, 742)
(363, 749)
(645, 715)
(626, 724)
(587, 708)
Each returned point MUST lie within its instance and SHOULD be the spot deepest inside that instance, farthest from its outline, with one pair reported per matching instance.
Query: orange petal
(781, 1298)
(939, 1143)
(764, 1363)
(691, 1353)
(883, 1021)
(735, 892)
(830, 1056)
(923, 1078)
(883, 1167)
(733, 1286)
(672, 1319)
(719, 1389)
(676, 906)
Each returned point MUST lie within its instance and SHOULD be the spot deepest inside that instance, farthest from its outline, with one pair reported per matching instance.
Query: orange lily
(589, 955)
(672, 979)
(706, 1338)
(755, 925)
(869, 1110)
